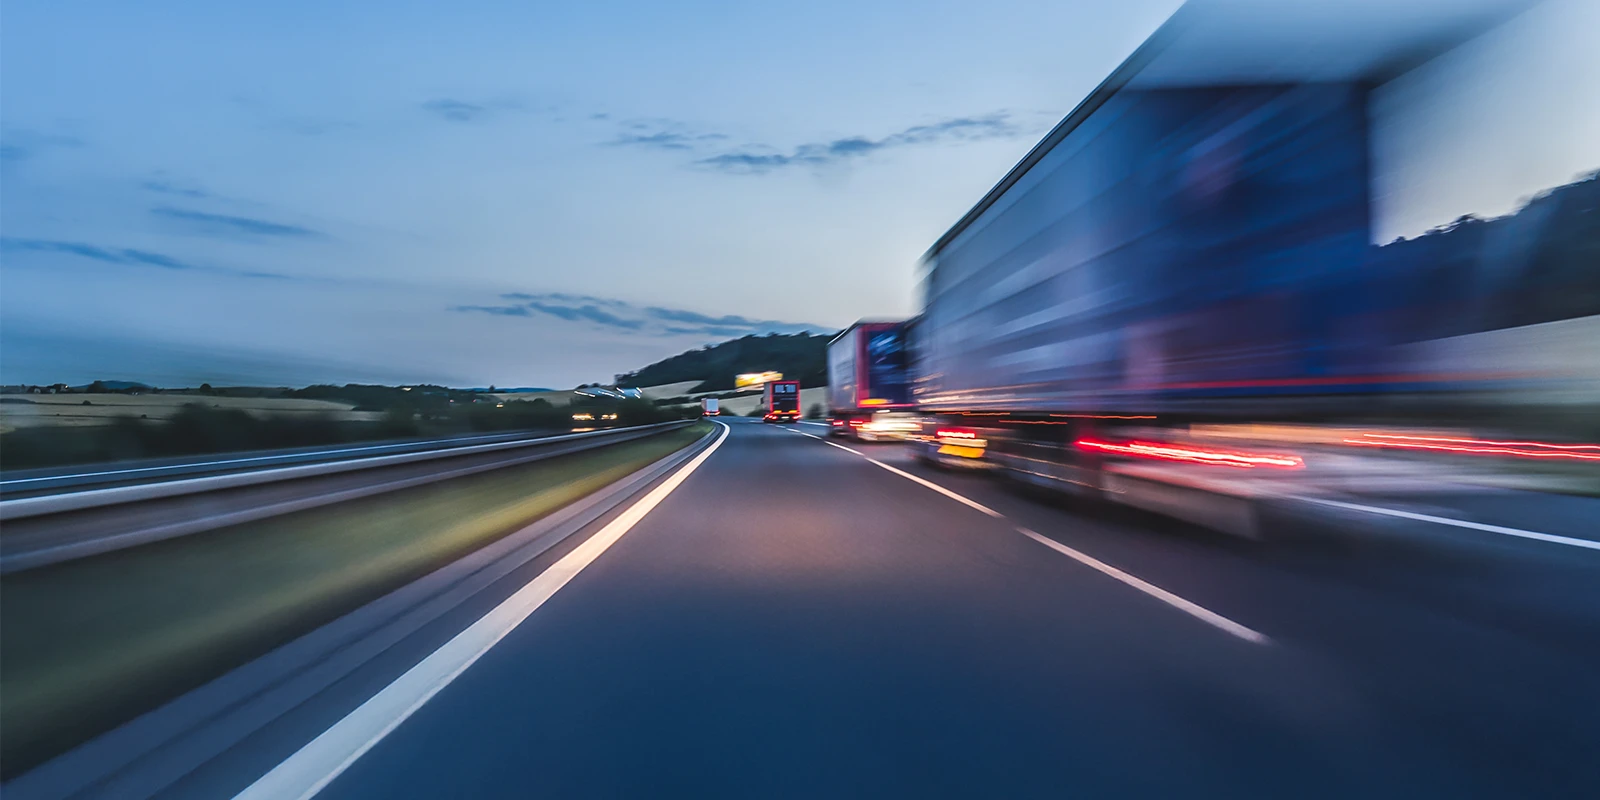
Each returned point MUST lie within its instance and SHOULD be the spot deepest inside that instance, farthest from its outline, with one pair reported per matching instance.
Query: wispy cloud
(126, 256)
(663, 134)
(997, 125)
(18, 144)
(565, 299)
(623, 316)
(455, 109)
(499, 311)
(170, 188)
(229, 225)
(587, 313)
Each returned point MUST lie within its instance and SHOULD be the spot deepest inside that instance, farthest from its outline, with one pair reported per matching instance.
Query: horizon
(495, 194)
(124, 384)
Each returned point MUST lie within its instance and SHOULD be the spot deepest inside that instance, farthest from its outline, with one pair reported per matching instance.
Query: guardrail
(55, 480)
(28, 549)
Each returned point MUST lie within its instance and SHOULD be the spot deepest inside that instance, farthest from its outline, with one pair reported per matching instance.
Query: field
(35, 410)
(559, 397)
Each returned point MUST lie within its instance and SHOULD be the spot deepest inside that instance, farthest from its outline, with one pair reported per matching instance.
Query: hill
(799, 356)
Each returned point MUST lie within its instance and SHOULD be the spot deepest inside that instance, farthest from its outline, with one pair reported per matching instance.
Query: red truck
(781, 400)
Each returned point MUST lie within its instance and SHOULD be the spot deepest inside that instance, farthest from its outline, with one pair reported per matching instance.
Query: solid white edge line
(1588, 544)
(311, 768)
(1195, 610)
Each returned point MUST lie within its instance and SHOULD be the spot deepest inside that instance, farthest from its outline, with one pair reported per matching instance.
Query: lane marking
(324, 758)
(1588, 544)
(1191, 608)
(1199, 612)
(936, 487)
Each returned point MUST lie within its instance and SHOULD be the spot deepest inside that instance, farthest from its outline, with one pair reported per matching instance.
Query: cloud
(165, 187)
(591, 313)
(566, 299)
(22, 145)
(455, 110)
(624, 316)
(997, 125)
(127, 256)
(662, 134)
(501, 311)
(228, 225)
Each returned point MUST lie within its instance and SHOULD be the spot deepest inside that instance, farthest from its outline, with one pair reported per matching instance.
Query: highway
(790, 617)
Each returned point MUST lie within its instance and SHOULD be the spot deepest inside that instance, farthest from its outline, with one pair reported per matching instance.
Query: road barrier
(92, 513)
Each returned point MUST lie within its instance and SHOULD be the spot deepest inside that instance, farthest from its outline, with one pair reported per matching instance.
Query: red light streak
(1106, 416)
(1574, 452)
(1167, 452)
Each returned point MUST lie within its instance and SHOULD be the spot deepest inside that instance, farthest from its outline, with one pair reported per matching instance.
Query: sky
(509, 193)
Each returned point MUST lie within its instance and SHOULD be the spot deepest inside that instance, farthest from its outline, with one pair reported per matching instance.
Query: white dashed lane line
(1189, 607)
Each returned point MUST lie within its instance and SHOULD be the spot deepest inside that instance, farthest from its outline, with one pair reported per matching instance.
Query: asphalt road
(795, 620)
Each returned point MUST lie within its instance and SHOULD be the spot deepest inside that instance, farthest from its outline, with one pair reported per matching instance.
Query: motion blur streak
(1193, 609)
(1170, 453)
(1479, 446)
(314, 766)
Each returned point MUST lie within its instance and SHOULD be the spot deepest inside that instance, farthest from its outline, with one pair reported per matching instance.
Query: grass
(89, 644)
(33, 410)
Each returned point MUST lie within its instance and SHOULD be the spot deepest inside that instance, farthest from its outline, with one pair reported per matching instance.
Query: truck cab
(781, 401)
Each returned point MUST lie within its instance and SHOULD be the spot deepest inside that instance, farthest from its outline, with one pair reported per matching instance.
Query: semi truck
(869, 386)
(780, 401)
(710, 407)
(1238, 227)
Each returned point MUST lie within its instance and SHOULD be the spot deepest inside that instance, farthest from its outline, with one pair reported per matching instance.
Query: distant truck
(709, 407)
(869, 385)
(781, 401)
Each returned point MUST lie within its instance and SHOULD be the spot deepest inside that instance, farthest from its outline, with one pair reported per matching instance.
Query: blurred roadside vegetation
(422, 411)
(94, 642)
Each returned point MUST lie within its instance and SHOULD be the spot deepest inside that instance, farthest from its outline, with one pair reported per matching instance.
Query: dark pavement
(795, 621)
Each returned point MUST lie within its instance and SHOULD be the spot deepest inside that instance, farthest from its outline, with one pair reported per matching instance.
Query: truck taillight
(966, 437)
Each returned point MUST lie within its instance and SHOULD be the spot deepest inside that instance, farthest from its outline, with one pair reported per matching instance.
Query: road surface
(801, 619)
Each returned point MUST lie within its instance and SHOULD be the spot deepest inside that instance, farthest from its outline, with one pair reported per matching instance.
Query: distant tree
(799, 356)
(491, 388)
(205, 388)
(98, 387)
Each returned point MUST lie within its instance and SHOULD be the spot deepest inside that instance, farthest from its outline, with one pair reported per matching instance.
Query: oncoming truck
(780, 401)
(869, 387)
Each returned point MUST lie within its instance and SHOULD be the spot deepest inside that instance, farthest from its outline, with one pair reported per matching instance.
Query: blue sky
(482, 192)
